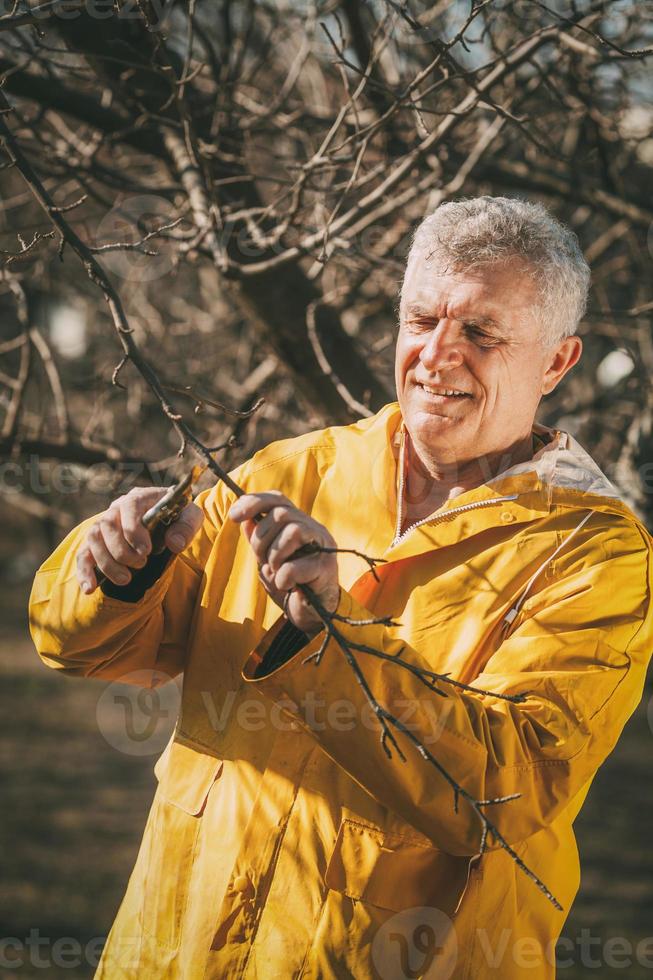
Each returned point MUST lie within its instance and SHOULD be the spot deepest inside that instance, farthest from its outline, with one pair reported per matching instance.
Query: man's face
(473, 334)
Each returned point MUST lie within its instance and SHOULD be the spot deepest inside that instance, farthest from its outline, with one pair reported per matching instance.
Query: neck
(430, 482)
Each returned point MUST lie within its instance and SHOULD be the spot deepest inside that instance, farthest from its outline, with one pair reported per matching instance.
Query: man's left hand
(279, 533)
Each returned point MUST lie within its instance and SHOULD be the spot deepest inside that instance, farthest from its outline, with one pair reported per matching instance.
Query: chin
(439, 435)
(433, 421)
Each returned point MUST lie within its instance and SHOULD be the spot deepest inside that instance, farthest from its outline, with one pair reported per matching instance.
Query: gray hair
(463, 234)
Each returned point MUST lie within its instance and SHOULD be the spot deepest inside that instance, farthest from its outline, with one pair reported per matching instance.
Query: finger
(263, 527)
(303, 571)
(266, 576)
(114, 540)
(265, 532)
(86, 571)
(248, 527)
(291, 537)
(296, 603)
(131, 508)
(180, 534)
(302, 613)
(250, 505)
(118, 573)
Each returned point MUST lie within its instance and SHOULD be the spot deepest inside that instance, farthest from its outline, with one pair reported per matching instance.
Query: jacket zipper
(439, 515)
(436, 515)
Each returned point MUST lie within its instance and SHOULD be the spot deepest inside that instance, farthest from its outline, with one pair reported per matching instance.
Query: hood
(562, 463)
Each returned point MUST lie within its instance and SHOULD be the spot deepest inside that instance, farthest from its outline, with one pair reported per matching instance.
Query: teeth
(444, 391)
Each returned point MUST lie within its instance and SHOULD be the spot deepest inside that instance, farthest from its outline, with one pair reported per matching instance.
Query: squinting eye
(481, 338)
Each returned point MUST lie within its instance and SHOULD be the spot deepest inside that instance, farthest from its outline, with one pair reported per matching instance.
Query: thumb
(180, 534)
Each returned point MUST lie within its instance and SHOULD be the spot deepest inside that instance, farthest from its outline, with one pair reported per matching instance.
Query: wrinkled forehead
(503, 292)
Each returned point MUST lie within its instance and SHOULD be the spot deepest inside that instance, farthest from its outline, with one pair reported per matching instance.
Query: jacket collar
(560, 474)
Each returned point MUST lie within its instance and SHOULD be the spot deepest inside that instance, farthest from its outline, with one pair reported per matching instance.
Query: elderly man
(282, 841)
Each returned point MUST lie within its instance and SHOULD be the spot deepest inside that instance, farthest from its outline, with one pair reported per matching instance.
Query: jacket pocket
(391, 908)
(185, 780)
(394, 872)
(185, 777)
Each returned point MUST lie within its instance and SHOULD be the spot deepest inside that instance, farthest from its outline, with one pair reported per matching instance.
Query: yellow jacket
(282, 842)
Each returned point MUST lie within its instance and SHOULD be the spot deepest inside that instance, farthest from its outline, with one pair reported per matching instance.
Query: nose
(442, 347)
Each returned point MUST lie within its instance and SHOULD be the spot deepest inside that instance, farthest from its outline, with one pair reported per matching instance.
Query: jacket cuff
(287, 642)
(283, 643)
(142, 579)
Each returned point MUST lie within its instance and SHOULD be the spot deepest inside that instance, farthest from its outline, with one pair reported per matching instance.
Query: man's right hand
(118, 542)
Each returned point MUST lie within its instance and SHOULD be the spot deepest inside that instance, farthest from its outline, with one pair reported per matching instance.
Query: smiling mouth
(442, 392)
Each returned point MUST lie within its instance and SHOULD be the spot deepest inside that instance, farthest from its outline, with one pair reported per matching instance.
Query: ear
(561, 359)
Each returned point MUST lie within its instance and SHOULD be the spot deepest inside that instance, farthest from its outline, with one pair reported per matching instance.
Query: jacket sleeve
(579, 648)
(99, 635)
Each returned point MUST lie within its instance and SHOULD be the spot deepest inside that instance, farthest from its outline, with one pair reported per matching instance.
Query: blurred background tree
(262, 166)
(247, 176)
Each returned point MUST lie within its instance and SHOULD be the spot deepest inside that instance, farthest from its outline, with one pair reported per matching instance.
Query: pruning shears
(165, 512)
